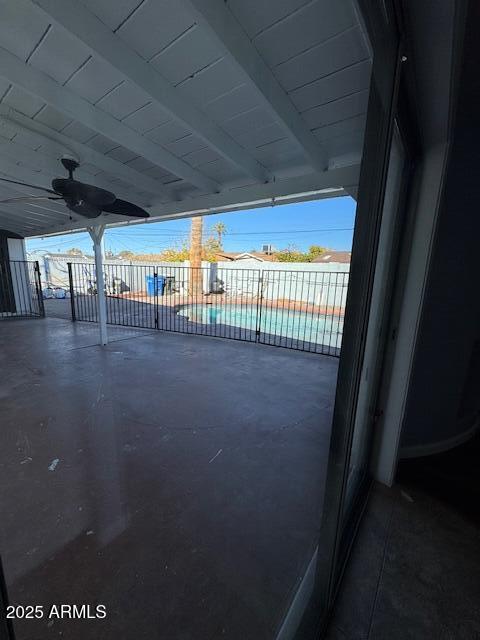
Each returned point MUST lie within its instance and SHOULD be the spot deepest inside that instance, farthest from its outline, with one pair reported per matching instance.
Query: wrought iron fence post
(72, 293)
(155, 297)
(259, 306)
(38, 287)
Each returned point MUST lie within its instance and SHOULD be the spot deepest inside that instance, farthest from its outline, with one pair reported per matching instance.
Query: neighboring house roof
(72, 257)
(57, 254)
(334, 256)
(246, 255)
(65, 255)
(224, 257)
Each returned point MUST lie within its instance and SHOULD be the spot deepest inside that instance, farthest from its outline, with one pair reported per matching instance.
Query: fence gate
(20, 289)
(302, 310)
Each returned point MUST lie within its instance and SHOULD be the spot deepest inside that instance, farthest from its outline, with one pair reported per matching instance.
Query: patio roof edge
(317, 186)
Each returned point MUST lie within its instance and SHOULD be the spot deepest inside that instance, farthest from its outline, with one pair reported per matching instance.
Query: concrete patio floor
(176, 479)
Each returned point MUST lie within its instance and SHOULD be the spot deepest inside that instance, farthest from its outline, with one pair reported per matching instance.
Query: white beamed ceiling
(168, 112)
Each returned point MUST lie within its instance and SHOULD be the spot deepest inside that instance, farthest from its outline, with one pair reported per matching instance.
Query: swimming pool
(298, 326)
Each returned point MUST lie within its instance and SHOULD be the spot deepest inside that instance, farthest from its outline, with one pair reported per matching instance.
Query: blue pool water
(296, 325)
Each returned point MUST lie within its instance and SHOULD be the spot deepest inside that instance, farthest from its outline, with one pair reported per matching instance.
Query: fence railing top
(157, 266)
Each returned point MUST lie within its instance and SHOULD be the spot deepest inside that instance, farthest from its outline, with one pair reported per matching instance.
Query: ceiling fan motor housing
(84, 199)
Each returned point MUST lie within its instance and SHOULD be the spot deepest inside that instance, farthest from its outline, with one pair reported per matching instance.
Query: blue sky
(324, 222)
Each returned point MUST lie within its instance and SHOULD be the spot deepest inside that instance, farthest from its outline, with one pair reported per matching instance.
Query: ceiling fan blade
(28, 199)
(76, 191)
(124, 208)
(31, 186)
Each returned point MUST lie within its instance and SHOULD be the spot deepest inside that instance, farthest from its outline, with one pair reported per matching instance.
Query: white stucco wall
(20, 277)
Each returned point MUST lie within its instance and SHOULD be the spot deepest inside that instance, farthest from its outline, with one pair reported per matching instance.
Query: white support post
(96, 233)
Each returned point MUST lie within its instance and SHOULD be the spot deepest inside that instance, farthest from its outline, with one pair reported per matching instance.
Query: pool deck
(177, 299)
(162, 314)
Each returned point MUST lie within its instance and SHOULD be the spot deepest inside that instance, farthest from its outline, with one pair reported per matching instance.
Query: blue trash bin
(155, 285)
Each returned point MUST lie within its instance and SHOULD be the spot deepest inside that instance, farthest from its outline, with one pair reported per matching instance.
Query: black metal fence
(289, 308)
(20, 289)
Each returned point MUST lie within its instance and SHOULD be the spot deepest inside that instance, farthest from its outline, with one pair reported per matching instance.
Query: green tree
(179, 254)
(315, 250)
(220, 229)
(74, 251)
(292, 254)
(211, 249)
(126, 254)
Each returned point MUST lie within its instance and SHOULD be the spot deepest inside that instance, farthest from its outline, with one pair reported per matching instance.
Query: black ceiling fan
(84, 199)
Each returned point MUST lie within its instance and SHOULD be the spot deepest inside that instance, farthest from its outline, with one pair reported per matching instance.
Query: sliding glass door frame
(336, 532)
(355, 498)
(343, 507)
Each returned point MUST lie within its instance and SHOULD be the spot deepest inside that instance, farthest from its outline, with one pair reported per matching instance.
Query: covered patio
(195, 487)
(177, 479)
(159, 475)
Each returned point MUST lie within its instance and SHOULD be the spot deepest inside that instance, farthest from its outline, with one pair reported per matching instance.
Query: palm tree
(220, 229)
(196, 256)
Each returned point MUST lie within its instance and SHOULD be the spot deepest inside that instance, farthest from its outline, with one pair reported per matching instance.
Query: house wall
(16, 249)
(431, 384)
(449, 328)
(20, 275)
(447, 360)
(424, 208)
